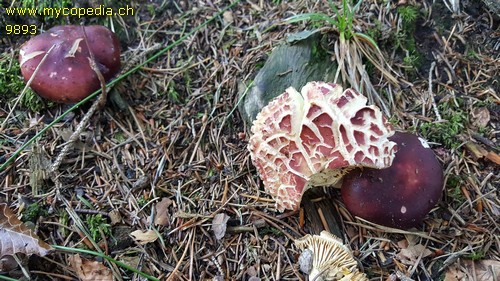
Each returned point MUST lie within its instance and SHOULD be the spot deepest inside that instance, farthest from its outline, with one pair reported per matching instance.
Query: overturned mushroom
(66, 75)
(314, 138)
(325, 257)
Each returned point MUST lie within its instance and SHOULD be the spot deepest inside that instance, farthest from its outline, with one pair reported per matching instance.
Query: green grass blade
(367, 38)
(332, 6)
(109, 259)
(7, 278)
(356, 7)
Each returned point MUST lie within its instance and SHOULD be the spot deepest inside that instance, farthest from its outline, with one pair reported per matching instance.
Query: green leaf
(367, 38)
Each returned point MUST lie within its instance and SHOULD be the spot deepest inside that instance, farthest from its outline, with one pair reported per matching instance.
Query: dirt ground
(168, 154)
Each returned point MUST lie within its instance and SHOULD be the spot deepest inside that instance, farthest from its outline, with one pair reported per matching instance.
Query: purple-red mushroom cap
(401, 195)
(314, 138)
(66, 75)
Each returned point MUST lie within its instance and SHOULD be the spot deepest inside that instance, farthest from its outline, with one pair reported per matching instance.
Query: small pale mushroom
(314, 138)
(325, 257)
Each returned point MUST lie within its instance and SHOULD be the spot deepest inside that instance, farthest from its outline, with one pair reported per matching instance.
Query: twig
(178, 265)
(113, 82)
(431, 95)
(76, 134)
(376, 227)
(98, 103)
(23, 92)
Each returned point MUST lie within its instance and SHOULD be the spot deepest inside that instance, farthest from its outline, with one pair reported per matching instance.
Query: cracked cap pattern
(314, 138)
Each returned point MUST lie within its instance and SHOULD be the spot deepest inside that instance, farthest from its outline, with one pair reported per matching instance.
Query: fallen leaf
(39, 164)
(115, 217)
(144, 237)
(219, 225)
(16, 237)
(483, 270)
(88, 270)
(454, 274)
(410, 254)
(493, 157)
(132, 261)
(403, 244)
(480, 117)
(162, 214)
(251, 271)
(228, 18)
(476, 150)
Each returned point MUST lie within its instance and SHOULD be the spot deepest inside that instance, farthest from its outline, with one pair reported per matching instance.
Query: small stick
(26, 87)
(98, 103)
(431, 95)
(173, 274)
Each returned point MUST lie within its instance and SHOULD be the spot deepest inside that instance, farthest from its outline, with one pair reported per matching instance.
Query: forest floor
(168, 153)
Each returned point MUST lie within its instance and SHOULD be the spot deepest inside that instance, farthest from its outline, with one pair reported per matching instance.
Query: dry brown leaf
(478, 152)
(454, 274)
(145, 237)
(162, 215)
(483, 270)
(493, 157)
(15, 237)
(90, 270)
(410, 254)
(228, 17)
(115, 217)
(480, 117)
(219, 225)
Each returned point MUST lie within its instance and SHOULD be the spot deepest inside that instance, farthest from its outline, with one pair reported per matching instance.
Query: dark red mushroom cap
(66, 75)
(399, 196)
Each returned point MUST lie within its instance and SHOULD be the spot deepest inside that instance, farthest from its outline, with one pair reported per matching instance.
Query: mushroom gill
(331, 259)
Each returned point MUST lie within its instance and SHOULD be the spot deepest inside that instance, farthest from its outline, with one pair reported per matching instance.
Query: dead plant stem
(7, 118)
(431, 94)
(98, 103)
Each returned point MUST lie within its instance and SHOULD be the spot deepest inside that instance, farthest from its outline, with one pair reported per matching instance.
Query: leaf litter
(169, 132)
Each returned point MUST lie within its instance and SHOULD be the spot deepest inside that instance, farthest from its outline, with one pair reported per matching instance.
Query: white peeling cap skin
(327, 258)
(314, 138)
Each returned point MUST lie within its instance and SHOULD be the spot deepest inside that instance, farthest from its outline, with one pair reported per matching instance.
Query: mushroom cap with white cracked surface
(314, 138)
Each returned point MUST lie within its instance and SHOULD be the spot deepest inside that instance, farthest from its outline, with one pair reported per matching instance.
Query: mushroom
(315, 138)
(66, 74)
(325, 257)
(401, 195)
